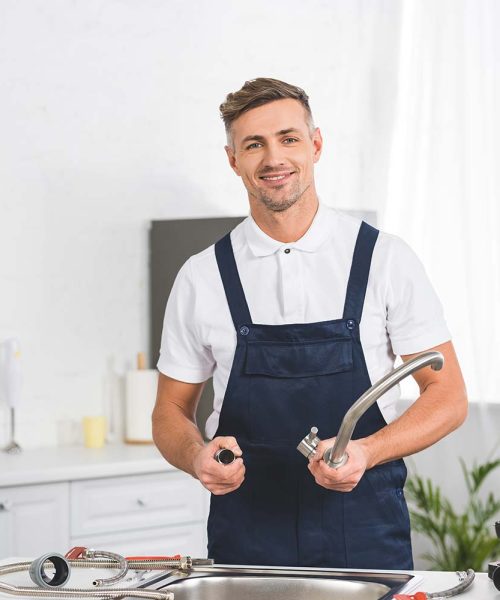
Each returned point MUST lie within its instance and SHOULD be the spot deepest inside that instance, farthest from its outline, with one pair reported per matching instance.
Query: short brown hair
(257, 92)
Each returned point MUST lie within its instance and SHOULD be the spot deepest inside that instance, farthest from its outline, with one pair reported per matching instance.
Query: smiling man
(296, 313)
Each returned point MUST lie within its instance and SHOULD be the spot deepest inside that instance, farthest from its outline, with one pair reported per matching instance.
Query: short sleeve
(415, 320)
(183, 355)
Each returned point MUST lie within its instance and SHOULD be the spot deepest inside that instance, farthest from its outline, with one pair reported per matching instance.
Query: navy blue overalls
(285, 379)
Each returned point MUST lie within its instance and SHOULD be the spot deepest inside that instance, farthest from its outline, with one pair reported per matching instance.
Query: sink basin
(268, 583)
(262, 588)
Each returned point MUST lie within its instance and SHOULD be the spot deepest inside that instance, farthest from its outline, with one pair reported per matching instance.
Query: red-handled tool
(75, 552)
(142, 558)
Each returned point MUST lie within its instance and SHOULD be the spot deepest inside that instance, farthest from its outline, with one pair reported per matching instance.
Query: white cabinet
(153, 514)
(34, 519)
(120, 503)
(189, 539)
(161, 513)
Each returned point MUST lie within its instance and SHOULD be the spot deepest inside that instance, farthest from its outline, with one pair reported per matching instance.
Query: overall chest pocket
(299, 359)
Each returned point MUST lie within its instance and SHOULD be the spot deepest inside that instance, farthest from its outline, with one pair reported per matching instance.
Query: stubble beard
(281, 204)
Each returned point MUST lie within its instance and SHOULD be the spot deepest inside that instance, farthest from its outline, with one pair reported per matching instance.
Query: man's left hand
(345, 478)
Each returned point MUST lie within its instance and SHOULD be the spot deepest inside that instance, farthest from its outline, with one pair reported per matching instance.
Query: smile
(276, 176)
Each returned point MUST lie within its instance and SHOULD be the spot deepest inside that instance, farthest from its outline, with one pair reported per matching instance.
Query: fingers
(216, 477)
(229, 480)
(340, 480)
(228, 442)
(346, 477)
(321, 448)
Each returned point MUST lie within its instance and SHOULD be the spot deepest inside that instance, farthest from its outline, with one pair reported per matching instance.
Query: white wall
(109, 118)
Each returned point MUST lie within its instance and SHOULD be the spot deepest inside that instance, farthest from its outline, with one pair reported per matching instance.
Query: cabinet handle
(5, 505)
(141, 502)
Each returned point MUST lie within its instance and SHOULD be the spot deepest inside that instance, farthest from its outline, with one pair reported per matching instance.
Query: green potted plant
(461, 540)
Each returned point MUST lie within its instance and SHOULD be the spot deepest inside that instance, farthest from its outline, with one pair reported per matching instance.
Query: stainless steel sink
(277, 583)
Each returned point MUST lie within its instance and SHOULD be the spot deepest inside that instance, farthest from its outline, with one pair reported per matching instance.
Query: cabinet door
(187, 540)
(34, 519)
(135, 502)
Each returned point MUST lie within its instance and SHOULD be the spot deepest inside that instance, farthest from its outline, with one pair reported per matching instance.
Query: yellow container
(94, 431)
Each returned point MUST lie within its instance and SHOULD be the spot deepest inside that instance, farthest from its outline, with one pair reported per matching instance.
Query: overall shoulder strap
(360, 269)
(231, 281)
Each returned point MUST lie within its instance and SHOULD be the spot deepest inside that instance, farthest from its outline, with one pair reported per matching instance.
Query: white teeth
(274, 178)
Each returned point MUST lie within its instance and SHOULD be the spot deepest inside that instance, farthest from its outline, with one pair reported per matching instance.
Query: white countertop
(45, 465)
(481, 589)
(430, 581)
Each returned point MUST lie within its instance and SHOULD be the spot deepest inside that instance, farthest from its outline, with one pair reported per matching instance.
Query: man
(296, 313)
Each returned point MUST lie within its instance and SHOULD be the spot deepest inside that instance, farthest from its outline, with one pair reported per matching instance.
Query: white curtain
(444, 176)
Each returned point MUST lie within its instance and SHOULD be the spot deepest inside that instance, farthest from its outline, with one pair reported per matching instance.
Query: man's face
(274, 153)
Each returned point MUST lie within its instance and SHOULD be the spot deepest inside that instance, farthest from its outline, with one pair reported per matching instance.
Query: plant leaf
(460, 540)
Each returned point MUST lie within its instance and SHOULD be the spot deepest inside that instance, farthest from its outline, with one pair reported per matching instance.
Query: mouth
(276, 179)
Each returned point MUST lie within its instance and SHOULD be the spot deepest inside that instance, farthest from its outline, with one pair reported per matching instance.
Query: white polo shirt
(401, 314)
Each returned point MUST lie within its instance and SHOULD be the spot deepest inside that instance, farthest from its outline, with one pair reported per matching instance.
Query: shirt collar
(262, 244)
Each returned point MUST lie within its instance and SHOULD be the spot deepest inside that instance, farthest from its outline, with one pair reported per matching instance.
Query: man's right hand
(217, 478)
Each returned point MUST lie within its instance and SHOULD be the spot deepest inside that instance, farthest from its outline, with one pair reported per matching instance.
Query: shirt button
(244, 330)
(286, 250)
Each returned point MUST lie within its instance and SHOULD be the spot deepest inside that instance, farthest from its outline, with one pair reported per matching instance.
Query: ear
(231, 156)
(317, 141)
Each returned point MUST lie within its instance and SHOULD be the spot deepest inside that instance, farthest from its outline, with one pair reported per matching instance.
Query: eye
(253, 146)
(290, 140)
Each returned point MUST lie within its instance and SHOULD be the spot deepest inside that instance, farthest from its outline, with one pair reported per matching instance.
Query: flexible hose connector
(465, 578)
(159, 563)
(108, 560)
(122, 565)
(35, 592)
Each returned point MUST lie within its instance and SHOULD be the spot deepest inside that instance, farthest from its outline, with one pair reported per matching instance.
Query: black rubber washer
(496, 578)
(40, 577)
(492, 566)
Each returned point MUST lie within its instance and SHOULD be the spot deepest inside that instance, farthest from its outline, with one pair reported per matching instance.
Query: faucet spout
(336, 456)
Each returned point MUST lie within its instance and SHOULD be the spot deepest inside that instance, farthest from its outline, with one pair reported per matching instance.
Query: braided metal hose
(122, 565)
(107, 560)
(183, 563)
(36, 592)
(465, 577)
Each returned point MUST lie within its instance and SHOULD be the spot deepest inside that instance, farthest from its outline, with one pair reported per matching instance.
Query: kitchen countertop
(431, 581)
(482, 588)
(48, 465)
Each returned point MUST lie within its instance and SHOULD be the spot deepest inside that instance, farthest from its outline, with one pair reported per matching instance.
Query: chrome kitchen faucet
(336, 456)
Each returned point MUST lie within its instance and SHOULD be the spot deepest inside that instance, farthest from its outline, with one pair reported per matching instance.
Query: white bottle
(11, 372)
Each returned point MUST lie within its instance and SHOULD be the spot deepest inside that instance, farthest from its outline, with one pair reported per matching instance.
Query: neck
(291, 224)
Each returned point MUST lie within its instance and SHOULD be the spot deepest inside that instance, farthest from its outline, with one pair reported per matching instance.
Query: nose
(273, 155)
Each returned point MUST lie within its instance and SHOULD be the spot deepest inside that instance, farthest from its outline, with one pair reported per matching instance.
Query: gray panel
(171, 244)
